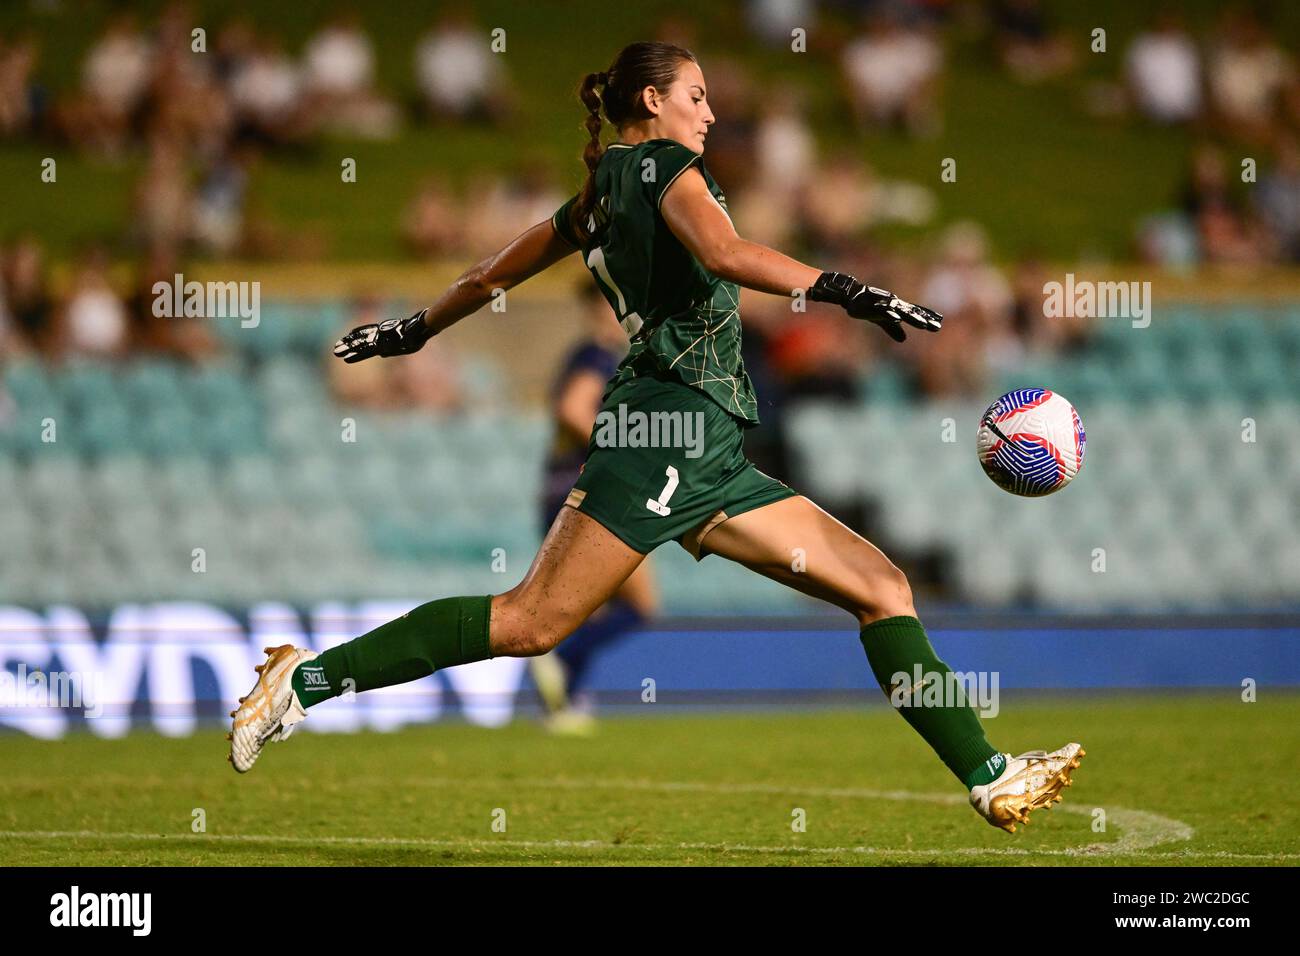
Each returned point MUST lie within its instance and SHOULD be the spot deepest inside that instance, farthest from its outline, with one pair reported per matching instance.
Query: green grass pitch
(1182, 779)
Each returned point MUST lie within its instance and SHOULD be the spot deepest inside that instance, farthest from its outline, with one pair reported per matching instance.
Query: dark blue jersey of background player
(575, 399)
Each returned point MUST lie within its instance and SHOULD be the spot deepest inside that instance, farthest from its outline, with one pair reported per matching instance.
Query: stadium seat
(108, 428)
(167, 431)
(149, 384)
(158, 456)
(85, 384)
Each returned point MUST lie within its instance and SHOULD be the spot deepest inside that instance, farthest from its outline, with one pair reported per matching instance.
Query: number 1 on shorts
(660, 506)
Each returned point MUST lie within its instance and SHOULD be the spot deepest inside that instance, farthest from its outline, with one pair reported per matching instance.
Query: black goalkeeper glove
(393, 337)
(875, 305)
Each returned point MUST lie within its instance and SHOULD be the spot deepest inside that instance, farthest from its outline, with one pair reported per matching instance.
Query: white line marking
(1139, 829)
(268, 838)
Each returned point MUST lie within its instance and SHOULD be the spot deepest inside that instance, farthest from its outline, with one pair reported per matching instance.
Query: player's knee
(518, 631)
(510, 639)
(887, 593)
(534, 643)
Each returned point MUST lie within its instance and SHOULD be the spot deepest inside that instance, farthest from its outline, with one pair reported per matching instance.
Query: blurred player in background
(575, 400)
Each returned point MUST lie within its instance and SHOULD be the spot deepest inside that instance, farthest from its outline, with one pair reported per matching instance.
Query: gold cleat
(1031, 781)
(271, 710)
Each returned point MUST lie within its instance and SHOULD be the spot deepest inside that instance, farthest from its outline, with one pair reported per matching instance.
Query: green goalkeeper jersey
(683, 320)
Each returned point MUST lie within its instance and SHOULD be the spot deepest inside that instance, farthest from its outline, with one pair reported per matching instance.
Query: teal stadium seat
(186, 480)
(55, 480)
(252, 479)
(286, 379)
(25, 377)
(149, 384)
(316, 485)
(84, 382)
(169, 431)
(219, 386)
(272, 336)
(317, 326)
(108, 428)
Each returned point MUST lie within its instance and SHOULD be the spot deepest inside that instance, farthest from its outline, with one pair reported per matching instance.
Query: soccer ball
(1031, 442)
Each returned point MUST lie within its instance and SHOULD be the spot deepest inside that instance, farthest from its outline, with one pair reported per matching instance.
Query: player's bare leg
(637, 600)
(795, 542)
(640, 591)
(579, 567)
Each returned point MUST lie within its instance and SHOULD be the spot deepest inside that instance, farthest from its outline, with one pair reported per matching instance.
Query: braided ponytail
(591, 153)
(637, 66)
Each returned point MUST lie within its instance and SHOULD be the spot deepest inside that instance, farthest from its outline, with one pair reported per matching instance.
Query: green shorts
(665, 463)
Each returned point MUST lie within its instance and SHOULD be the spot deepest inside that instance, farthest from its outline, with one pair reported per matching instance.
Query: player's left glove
(874, 305)
(386, 339)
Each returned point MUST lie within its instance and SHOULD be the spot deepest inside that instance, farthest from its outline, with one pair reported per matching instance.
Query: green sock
(428, 638)
(898, 645)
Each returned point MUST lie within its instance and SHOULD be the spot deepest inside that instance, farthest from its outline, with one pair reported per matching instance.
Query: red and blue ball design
(1031, 442)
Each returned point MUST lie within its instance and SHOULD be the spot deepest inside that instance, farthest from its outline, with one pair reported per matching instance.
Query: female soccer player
(653, 229)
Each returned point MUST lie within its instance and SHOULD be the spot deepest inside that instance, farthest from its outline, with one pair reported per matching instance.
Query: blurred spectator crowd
(100, 313)
(202, 110)
(1233, 83)
(204, 113)
(93, 313)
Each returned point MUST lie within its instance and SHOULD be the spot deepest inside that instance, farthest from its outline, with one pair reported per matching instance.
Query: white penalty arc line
(1140, 830)
(504, 842)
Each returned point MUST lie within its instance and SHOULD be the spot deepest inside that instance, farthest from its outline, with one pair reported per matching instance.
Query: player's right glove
(389, 338)
(874, 305)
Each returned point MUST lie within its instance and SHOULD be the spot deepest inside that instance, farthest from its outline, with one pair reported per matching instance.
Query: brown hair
(637, 66)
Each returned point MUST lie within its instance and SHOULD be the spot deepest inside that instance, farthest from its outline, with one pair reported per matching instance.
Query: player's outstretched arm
(533, 251)
(704, 228)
